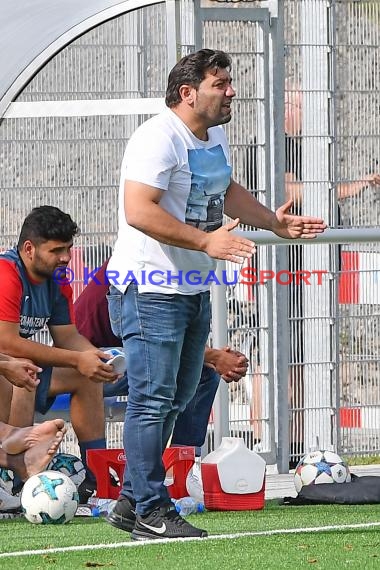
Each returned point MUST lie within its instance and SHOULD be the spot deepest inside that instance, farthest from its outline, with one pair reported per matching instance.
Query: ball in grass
(49, 497)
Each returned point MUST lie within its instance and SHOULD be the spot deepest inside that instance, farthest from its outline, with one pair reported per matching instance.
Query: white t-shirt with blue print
(194, 175)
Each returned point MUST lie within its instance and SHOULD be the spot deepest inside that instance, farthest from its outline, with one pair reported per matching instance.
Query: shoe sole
(120, 522)
(141, 535)
(4, 511)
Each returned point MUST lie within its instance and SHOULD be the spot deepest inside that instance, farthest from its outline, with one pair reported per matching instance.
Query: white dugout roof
(32, 31)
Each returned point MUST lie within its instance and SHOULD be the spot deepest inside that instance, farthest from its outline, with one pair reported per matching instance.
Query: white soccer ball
(49, 497)
(321, 467)
(70, 465)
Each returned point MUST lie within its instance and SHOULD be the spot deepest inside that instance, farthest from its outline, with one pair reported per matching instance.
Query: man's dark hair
(47, 223)
(192, 69)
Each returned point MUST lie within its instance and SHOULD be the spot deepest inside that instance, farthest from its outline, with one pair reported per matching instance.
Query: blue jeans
(164, 337)
(191, 425)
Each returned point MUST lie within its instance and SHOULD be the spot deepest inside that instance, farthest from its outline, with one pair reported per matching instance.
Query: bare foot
(35, 459)
(23, 439)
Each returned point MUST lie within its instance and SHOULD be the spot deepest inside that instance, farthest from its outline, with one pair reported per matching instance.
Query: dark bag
(360, 491)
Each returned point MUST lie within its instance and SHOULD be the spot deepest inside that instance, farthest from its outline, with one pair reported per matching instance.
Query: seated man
(26, 451)
(93, 322)
(34, 293)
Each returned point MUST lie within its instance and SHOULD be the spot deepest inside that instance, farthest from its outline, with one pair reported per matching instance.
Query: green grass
(363, 460)
(322, 550)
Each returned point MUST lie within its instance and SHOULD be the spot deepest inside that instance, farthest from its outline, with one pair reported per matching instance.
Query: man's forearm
(170, 231)
(211, 355)
(239, 203)
(73, 342)
(41, 354)
(144, 213)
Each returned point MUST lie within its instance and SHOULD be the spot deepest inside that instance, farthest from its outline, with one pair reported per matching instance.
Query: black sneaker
(86, 490)
(123, 515)
(164, 522)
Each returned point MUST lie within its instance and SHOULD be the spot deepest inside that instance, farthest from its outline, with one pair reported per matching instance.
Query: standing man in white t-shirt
(175, 185)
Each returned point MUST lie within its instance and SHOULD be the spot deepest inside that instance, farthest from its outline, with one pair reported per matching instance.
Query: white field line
(134, 544)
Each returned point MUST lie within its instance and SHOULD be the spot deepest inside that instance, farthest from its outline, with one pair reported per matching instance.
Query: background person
(294, 191)
(293, 154)
(32, 297)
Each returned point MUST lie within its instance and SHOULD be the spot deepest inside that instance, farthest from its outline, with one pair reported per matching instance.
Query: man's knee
(67, 381)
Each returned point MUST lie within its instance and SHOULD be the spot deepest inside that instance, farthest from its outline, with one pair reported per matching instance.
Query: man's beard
(45, 273)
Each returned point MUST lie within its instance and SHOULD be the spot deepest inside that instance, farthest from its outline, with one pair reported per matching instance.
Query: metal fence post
(173, 32)
(219, 339)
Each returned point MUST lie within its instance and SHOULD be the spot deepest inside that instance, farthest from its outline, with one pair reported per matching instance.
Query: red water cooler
(233, 477)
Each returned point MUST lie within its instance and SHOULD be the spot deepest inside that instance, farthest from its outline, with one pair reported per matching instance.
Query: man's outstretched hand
(291, 226)
(223, 244)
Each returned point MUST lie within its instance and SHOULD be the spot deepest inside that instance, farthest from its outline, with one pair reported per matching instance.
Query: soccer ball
(49, 497)
(321, 467)
(70, 465)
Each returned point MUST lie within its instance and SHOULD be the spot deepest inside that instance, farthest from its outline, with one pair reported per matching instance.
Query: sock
(84, 446)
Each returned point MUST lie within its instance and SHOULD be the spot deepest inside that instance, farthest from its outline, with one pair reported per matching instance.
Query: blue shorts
(43, 401)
